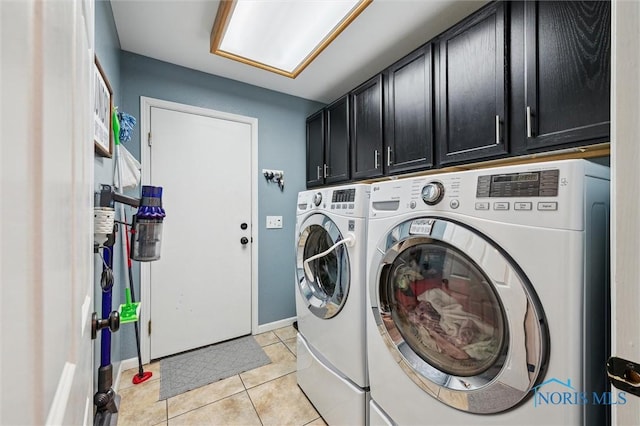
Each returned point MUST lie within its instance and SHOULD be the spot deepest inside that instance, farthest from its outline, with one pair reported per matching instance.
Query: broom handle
(124, 243)
(133, 297)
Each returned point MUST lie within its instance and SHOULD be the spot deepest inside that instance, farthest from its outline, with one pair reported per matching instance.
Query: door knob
(244, 240)
(112, 322)
(624, 374)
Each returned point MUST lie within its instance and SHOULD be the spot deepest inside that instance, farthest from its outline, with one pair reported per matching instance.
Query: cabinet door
(315, 149)
(366, 129)
(568, 72)
(471, 96)
(408, 119)
(337, 141)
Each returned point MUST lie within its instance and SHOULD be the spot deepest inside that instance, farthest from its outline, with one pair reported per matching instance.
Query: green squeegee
(129, 311)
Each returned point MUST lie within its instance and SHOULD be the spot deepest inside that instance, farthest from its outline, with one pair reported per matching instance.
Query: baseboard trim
(263, 328)
(125, 364)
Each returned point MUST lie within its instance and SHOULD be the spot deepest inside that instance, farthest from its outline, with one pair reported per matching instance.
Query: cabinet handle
(388, 156)
(325, 171)
(318, 172)
(375, 159)
(497, 130)
(529, 132)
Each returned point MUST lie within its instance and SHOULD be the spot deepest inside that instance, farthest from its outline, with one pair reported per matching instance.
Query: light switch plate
(274, 222)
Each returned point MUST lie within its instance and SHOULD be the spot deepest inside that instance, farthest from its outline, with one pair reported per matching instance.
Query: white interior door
(201, 286)
(46, 185)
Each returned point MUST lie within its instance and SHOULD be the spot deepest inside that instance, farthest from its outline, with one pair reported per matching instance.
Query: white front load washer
(488, 296)
(330, 301)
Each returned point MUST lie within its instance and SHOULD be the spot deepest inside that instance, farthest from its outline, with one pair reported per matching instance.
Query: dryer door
(327, 287)
(463, 318)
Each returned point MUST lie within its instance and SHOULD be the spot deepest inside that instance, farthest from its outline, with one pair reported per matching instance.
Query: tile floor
(268, 395)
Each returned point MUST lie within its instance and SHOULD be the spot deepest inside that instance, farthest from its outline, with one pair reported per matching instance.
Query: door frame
(146, 104)
(625, 226)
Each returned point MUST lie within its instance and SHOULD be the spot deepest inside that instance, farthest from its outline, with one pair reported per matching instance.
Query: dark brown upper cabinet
(514, 78)
(366, 129)
(472, 108)
(315, 149)
(328, 144)
(408, 122)
(567, 63)
(337, 141)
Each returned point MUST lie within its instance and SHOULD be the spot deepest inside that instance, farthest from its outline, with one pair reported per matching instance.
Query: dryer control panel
(352, 200)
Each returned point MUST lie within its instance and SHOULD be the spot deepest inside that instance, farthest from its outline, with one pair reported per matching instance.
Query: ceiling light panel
(281, 35)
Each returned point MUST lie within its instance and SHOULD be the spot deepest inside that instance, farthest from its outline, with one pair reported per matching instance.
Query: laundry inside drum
(446, 310)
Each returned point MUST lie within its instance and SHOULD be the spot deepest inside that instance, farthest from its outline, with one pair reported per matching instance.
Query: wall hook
(276, 176)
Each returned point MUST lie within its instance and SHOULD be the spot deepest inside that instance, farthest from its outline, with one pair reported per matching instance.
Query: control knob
(432, 193)
(317, 198)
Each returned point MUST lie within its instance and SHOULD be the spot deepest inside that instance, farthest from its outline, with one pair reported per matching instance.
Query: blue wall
(107, 50)
(281, 146)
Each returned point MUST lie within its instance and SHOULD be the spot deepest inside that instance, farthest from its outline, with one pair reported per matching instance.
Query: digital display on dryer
(344, 196)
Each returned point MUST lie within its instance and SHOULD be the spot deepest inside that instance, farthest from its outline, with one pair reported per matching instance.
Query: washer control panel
(524, 185)
(542, 183)
(546, 194)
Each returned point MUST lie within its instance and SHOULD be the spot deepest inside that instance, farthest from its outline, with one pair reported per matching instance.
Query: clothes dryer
(330, 301)
(488, 296)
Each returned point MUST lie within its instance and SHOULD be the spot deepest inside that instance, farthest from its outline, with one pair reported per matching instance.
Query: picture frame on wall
(102, 108)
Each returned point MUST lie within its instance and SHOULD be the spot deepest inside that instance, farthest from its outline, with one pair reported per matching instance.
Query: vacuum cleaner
(145, 243)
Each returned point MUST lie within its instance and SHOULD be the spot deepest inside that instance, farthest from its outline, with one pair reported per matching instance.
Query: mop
(130, 310)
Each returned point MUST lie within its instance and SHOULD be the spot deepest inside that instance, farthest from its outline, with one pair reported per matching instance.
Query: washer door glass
(459, 316)
(326, 289)
(445, 308)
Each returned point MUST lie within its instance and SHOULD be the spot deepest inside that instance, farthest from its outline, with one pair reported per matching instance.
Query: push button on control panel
(501, 205)
(522, 206)
(549, 206)
(482, 206)
(454, 204)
